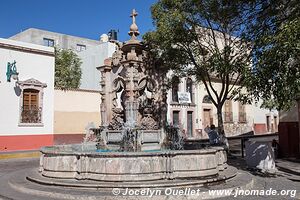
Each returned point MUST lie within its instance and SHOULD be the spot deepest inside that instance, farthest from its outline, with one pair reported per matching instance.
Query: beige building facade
(75, 111)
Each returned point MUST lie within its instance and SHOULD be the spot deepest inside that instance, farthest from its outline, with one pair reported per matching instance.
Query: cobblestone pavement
(262, 182)
(11, 165)
(268, 183)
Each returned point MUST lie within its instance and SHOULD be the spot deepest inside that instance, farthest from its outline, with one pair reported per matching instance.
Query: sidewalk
(20, 154)
(288, 166)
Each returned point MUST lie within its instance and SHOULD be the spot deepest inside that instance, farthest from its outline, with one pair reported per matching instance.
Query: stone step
(16, 187)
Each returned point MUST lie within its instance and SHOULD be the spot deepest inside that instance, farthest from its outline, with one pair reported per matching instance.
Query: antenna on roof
(112, 35)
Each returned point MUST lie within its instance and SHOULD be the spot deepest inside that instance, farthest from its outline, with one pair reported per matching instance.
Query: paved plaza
(260, 182)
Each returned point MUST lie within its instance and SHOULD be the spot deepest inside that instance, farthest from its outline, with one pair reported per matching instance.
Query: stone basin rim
(59, 150)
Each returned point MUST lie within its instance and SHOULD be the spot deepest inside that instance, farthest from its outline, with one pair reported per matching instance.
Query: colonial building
(27, 95)
(196, 111)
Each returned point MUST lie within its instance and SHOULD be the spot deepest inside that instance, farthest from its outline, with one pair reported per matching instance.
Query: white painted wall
(29, 65)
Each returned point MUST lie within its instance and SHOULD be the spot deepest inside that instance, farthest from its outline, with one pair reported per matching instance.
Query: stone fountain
(130, 140)
(133, 94)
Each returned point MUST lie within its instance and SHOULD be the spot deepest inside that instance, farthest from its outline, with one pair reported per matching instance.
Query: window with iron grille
(31, 112)
(31, 102)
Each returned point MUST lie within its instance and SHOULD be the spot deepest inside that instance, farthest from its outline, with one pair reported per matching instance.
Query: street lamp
(11, 71)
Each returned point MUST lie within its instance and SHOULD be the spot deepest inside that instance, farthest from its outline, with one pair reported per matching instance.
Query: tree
(274, 30)
(202, 38)
(67, 69)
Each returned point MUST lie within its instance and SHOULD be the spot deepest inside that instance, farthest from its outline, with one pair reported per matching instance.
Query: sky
(83, 18)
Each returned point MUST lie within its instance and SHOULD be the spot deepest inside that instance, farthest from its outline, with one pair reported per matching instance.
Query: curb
(287, 169)
(11, 155)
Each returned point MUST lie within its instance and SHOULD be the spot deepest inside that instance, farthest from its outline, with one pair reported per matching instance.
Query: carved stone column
(105, 83)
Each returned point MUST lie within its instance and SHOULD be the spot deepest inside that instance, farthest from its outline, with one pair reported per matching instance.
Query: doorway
(190, 123)
(207, 118)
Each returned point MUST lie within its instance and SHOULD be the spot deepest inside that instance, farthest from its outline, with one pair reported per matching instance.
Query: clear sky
(83, 18)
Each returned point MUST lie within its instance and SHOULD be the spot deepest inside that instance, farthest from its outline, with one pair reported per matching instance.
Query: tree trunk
(221, 131)
(220, 121)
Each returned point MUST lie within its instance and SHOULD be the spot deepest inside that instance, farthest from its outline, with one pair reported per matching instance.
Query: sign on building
(184, 97)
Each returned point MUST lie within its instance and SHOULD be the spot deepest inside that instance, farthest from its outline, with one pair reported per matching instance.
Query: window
(48, 42)
(189, 88)
(268, 119)
(31, 102)
(206, 99)
(190, 123)
(275, 124)
(242, 113)
(176, 118)
(175, 88)
(80, 47)
(228, 111)
(30, 111)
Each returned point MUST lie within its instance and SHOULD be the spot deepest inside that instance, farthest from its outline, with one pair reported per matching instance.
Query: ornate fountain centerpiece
(133, 112)
(132, 92)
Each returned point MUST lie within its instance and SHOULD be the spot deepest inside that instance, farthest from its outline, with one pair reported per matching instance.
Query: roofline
(11, 37)
(77, 90)
(26, 49)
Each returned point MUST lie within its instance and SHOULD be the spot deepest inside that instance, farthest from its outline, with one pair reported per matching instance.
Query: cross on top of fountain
(134, 31)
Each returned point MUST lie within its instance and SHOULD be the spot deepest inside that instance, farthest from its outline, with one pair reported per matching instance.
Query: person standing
(214, 138)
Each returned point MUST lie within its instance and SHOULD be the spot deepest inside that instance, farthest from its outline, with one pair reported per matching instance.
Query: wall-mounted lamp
(12, 71)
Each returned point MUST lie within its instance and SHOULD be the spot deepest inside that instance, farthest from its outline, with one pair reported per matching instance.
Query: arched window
(206, 99)
(189, 88)
(175, 88)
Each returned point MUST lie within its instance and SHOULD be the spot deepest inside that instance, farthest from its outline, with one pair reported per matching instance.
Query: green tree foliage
(67, 69)
(202, 39)
(274, 30)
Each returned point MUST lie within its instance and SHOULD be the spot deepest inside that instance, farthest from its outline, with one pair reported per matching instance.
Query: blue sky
(83, 18)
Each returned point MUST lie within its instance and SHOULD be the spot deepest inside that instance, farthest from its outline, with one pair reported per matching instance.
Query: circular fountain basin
(78, 162)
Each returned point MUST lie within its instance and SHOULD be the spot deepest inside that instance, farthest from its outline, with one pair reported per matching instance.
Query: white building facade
(27, 108)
